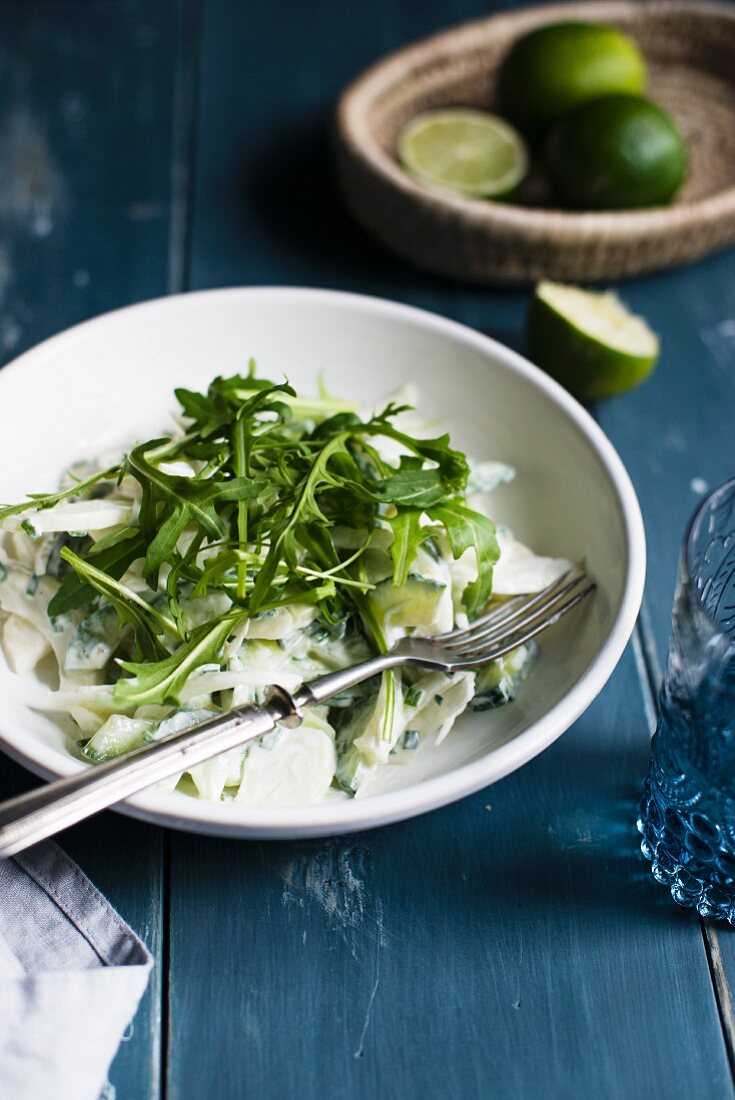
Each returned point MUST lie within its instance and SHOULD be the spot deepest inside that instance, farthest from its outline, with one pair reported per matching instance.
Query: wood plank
(509, 945)
(86, 95)
(675, 435)
(520, 949)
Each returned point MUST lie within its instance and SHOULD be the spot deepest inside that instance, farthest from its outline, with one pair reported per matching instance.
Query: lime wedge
(589, 341)
(471, 152)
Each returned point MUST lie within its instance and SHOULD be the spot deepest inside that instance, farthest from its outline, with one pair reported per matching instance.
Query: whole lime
(554, 69)
(615, 153)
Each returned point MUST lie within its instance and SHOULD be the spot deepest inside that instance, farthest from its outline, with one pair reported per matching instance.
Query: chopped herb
(270, 740)
(346, 699)
(32, 586)
(413, 697)
(411, 739)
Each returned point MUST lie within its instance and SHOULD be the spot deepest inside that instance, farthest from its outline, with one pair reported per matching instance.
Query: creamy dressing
(339, 747)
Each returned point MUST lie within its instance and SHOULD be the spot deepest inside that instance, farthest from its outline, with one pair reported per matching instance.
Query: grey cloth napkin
(71, 976)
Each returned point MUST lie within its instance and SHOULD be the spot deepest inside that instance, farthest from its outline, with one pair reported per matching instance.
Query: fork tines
(516, 621)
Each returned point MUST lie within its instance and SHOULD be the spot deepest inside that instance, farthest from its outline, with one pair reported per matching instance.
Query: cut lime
(616, 153)
(471, 152)
(557, 67)
(589, 341)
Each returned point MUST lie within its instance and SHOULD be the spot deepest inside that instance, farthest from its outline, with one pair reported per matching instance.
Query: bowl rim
(333, 817)
(523, 222)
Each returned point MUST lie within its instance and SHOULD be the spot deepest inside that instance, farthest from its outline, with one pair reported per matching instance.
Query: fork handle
(55, 806)
(47, 810)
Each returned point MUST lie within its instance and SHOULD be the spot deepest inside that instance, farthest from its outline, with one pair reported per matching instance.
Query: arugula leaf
(418, 488)
(170, 503)
(41, 501)
(241, 449)
(452, 465)
(468, 529)
(132, 610)
(214, 410)
(408, 536)
(304, 508)
(268, 477)
(162, 681)
(112, 555)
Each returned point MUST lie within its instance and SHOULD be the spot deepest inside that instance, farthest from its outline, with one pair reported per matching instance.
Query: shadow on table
(573, 839)
(290, 188)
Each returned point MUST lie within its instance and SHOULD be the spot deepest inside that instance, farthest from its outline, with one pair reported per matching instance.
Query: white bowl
(110, 381)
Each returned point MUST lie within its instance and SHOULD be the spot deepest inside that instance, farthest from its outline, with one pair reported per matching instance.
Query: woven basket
(690, 52)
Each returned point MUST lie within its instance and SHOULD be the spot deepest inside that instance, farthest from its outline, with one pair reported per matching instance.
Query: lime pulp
(589, 341)
(467, 151)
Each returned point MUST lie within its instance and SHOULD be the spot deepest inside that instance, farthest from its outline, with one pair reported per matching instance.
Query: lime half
(463, 150)
(589, 341)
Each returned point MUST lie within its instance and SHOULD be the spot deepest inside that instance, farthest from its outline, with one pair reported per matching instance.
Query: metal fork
(42, 812)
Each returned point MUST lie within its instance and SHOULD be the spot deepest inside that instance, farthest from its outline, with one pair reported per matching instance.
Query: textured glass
(687, 818)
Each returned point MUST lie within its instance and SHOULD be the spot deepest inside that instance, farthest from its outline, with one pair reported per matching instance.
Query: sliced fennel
(272, 540)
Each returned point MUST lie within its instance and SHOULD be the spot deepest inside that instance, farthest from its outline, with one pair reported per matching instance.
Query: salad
(265, 538)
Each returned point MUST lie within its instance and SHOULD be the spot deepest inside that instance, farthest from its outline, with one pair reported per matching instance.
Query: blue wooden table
(511, 945)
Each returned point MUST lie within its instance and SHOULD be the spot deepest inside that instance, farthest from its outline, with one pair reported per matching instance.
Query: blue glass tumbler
(687, 817)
